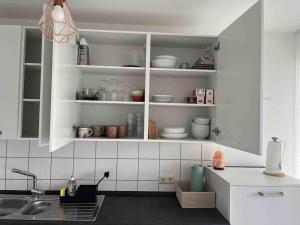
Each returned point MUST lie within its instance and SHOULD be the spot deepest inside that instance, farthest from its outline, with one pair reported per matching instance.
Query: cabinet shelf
(185, 140)
(112, 70)
(181, 104)
(33, 66)
(31, 100)
(181, 72)
(108, 139)
(108, 102)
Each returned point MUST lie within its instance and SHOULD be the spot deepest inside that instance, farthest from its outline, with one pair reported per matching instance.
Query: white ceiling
(280, 15)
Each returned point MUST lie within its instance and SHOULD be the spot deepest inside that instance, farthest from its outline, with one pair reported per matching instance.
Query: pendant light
(56, 22)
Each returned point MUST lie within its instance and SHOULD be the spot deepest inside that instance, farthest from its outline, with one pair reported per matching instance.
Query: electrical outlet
(166, 180)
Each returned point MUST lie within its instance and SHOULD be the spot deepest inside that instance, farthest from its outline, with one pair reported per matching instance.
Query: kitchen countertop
(239, 176)
(142, 210)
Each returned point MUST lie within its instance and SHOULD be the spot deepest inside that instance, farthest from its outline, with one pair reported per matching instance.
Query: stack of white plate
(174, 132)
(164, 61)
(163, 98)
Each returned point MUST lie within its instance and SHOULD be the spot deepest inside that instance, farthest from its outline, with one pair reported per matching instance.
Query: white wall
(279, 92)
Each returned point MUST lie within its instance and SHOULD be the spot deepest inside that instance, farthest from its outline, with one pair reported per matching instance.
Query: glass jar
(131, 125)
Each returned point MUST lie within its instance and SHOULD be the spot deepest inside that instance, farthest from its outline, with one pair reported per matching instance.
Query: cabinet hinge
(217, 131)
(217, 47)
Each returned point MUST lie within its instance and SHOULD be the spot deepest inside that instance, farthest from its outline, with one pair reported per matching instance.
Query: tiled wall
(133, 166)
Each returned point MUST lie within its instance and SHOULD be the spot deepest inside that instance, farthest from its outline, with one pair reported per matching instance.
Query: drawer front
(265, 205)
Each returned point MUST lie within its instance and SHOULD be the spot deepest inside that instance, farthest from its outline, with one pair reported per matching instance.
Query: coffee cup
(98, 130)
(84, 132)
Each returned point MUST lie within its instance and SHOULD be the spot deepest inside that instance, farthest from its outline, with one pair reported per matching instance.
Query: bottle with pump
(71, 187)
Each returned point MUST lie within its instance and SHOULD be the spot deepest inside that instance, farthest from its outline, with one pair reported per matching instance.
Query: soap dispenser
(71, 187)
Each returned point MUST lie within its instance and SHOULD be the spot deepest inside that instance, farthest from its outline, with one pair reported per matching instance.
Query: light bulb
(58, 14)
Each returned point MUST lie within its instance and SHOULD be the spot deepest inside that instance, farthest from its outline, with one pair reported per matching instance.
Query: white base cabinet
(245, 196)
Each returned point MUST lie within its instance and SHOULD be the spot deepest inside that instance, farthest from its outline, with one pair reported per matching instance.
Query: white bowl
(200, 132)
(166, 57)
(163, 63)
(174, 130)
(201, 120)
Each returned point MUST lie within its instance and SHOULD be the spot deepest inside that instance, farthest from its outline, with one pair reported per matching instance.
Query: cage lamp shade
(56, 22)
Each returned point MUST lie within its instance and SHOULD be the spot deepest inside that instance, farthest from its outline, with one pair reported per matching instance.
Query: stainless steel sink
(16, 207)
(36, 207)
(11, 205)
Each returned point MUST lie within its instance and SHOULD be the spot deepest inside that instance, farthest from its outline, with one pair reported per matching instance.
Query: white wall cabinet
(10, 64)
(247, 196)
(237, 81)
(35, 86)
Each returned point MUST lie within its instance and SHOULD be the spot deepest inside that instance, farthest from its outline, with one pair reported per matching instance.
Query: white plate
(174, 130)
(166, 57)
(173, 136)
(162, 96)
(163, 100)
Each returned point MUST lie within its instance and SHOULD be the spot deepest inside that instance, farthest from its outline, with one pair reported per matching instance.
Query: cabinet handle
(0, 132)
(271, 194)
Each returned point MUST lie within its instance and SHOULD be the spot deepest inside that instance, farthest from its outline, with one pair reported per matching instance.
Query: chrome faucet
(36, 193)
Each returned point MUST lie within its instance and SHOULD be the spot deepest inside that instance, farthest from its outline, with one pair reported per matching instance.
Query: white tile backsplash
(36, 151)
(128, 150)
(127, 169)
(166, 187)
(2, 184)
(186, 169)
(84, 169)
(18, 163)
(62, 168)
(103, 165)
(170, 168)
(149, 150)
(85, 181)
(107, 185)
(85, 149)
(133, 166)
(18, 185)
(107, 150)
(126, 185)
(65, 152)
(41, 184)
(208, 150)
(2, 148)
(148, 169)
(191, 151)
(40, 167)
(58, 184)
(17, 148)
(147, 185)
(169, 151)
(2, 168)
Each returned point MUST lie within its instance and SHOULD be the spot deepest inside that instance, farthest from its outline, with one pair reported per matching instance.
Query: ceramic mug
(98, 130)
(84, 132)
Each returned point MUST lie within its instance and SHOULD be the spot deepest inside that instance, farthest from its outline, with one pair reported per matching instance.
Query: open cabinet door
(65, 78)
(45, 93)
(238, 94)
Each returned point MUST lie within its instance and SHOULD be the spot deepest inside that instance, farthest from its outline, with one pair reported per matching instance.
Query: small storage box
(190, 199)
